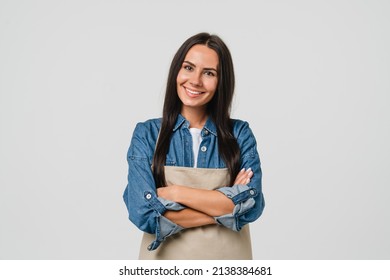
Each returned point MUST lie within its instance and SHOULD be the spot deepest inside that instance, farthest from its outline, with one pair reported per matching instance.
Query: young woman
(194, 181)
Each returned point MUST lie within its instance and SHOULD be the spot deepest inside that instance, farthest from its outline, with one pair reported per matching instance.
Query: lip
(193, 93)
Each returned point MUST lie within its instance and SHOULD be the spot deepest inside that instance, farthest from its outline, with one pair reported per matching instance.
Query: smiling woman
(194, 180)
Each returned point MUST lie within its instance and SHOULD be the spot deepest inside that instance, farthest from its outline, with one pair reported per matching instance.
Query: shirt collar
(179, 122)
(210, 125)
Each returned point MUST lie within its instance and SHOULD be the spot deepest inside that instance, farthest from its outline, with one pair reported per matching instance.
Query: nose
(196, 79)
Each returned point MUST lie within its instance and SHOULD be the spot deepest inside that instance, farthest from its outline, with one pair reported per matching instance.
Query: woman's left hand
(244, 177)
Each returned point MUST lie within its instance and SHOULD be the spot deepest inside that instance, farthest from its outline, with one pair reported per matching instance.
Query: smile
(193, 92)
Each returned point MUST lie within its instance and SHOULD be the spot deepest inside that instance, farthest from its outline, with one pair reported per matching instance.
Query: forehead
(202, 56)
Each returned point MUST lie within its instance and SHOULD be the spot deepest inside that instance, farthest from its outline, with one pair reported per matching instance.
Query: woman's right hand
(243, 177)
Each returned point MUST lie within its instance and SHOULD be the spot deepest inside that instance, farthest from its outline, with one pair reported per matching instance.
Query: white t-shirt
(196, 140)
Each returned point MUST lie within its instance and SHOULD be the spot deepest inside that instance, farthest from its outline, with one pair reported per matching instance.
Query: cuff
(165, 227)
(170, 205)
(238, 193)
(242, 197)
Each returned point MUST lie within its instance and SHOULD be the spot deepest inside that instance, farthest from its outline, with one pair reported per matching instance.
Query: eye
(210, 73)
(188, 67)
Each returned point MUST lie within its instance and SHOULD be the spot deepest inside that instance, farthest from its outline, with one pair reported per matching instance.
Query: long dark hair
(218, 108)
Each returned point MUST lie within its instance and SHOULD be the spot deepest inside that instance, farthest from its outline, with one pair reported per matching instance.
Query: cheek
(181, 77)
(212, 85)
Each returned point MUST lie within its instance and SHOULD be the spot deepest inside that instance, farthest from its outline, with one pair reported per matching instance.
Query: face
(197, 79)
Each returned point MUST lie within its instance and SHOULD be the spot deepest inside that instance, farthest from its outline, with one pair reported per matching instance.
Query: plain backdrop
(312, 81)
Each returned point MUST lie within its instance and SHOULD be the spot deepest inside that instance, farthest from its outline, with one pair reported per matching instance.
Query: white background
(312, 80)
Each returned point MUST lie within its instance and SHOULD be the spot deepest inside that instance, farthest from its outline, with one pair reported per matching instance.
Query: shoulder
(241, 127)
(144, 137)
(148, 125)
(147, 129)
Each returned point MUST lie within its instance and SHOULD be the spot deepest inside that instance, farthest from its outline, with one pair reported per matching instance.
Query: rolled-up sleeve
(248, 199)
(144, 207)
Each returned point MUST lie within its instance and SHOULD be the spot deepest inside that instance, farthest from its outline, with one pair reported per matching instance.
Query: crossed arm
(202, 205)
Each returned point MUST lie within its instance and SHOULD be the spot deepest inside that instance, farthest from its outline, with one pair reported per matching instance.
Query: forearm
(188, 218)
(210, 202)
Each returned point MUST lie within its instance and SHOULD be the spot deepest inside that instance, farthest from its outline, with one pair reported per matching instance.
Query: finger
(241, 173)
(242, 180)
(241, 176)
(244, 176)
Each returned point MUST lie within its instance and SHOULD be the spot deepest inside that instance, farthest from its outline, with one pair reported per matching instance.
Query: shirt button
(148, 196)
(252, 192)
(203, 149)
(206, 131)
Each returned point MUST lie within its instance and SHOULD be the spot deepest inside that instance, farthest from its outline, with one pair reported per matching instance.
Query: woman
(194, 178)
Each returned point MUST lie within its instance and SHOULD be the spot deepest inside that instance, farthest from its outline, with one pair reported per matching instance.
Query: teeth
(193, 92)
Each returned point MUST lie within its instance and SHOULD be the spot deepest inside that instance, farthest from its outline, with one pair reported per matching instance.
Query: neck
(197, 118)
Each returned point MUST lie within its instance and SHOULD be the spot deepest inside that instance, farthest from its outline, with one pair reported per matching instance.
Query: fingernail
(249, 169)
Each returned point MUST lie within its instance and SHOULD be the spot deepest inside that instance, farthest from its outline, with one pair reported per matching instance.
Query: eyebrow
(207, 68)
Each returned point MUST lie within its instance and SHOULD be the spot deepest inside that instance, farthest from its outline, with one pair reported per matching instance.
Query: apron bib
(213, 242)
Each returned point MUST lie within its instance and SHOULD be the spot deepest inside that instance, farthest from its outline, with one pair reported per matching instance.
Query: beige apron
(200, 243)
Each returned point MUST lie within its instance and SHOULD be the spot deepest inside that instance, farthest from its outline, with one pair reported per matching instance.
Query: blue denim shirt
(146, 209)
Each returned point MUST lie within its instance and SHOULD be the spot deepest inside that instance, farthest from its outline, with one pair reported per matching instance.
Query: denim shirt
(146, 209)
